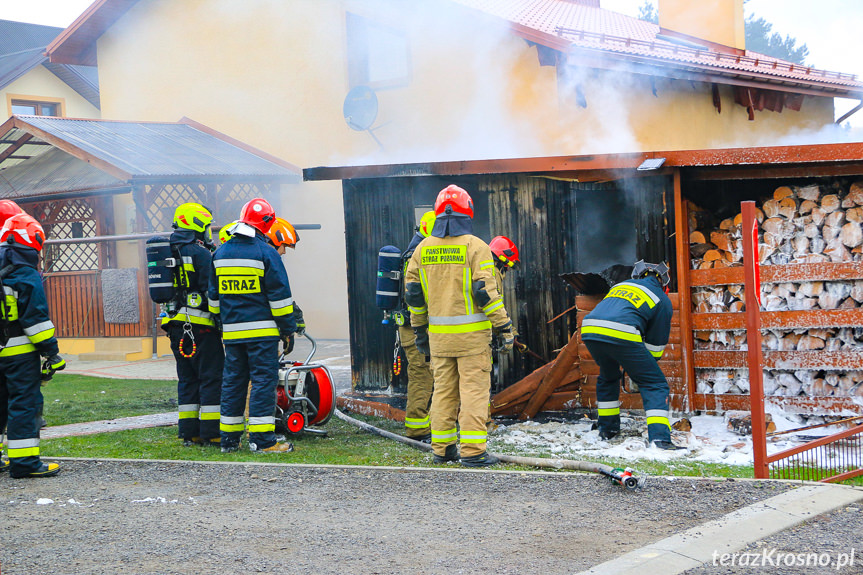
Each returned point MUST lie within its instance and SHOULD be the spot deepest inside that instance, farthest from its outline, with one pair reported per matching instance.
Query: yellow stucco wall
(273, 73)
(719, 21)
(41, 85)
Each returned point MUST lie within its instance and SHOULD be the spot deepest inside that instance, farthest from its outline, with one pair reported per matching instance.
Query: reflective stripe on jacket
(249, 289)
(25, 307)
(450, 270)
(636, 311)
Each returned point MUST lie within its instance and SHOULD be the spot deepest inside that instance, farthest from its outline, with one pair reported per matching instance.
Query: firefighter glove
(288, 343)
(52, 364)
(505, 337)
(422, 342)
(301, 322)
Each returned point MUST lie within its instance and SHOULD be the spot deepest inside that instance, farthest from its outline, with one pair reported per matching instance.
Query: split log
(818, 215)
(829, 233)
(788, 208)
(782, 192)
(712, 255)
(855, 193)
(697, 237)
(836, 219)
(806, 207)
(809, 193)
(837, 251)
(811, 230)
(698, 250)
(854, 215)
(851, 234)
(770, 208)
(830, 203)
(809, 343)
(721, 239)
(726, 224)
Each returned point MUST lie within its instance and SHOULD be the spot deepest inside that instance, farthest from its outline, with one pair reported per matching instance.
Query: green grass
(79, 398)
(76, 398)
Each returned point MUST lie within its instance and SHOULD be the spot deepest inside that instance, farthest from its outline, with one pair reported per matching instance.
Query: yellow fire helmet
(224, 232)
(193, 217)
(427, 223)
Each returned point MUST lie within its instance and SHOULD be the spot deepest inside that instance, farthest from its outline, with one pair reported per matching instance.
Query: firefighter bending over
(26, 333)
(420, 378)
(249, 289)
(454, 305)
(192, 329)
(629, 329)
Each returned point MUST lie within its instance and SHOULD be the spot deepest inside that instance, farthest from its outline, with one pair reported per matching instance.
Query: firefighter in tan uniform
(420, 378)
(452, 295)
(505, 254)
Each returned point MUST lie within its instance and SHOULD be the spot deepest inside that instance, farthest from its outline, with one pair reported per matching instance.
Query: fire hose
(623, 477)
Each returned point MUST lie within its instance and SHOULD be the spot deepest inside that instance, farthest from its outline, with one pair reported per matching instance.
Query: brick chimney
(719, 22)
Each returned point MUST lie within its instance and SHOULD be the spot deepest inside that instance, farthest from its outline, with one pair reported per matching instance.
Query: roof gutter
(850, 112)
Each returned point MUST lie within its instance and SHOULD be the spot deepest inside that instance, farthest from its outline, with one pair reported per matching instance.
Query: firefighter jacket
(635, 311)
(191, 281)
(450, 287)
(24, 320)
(249, 290)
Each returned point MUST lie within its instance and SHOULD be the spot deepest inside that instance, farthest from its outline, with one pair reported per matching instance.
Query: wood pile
(814, 224)
(808, 224)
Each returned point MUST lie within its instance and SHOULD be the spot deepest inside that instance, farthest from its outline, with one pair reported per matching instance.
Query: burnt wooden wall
(559, 226)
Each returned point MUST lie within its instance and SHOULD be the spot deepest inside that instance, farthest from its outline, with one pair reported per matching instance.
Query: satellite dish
(361, 108)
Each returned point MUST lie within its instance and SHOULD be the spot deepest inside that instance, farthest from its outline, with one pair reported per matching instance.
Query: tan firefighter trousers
(461, 393)
(420, 386)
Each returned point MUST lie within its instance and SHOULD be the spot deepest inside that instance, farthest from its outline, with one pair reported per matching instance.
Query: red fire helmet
(259, 214)
(456, 197)
(504, 250)
(23, 229)
(8, 208)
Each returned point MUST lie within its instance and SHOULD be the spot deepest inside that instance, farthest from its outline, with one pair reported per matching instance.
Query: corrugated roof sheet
(160, 150)
(570, 25)
(55, 172)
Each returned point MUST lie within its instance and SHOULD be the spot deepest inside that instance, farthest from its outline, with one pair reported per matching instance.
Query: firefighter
(454, 303)
(420, 378)
(225, 232)
(249, 289)
(194, 337)
(281, 236)
(26, 333)
(8, 208)
(629, 329)
(505, 254)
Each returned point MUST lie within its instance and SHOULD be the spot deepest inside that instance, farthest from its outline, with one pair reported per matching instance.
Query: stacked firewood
(781, 297)
(802, 339)
(801, 382)
(808, 224)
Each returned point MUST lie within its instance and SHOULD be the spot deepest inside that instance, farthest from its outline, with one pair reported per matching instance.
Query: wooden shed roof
(724, 162)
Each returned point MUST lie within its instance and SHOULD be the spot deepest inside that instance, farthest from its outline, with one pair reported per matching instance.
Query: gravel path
(193, 517)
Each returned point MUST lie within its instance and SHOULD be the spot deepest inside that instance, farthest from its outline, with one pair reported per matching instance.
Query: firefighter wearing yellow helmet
(195, 340)
(420, 379)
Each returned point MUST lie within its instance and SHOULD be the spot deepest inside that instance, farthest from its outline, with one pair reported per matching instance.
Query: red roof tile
(571, 27)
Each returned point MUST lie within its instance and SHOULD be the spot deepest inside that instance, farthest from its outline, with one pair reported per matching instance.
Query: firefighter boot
(484, 459)
(44, 470)
(4, 465)
(608, 426)
(451, 454)
(666, 445)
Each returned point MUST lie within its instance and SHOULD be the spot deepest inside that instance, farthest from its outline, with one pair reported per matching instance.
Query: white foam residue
(44, 501)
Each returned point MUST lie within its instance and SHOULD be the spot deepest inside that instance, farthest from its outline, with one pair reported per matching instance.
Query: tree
(759, 39)
(759, 36)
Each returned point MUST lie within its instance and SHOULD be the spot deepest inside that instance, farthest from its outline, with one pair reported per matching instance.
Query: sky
(831, 32)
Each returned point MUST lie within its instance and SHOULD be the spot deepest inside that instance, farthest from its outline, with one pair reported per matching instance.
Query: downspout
(850, 113)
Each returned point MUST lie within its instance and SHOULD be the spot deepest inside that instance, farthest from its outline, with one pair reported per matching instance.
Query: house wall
(274, 74)
(41, 85)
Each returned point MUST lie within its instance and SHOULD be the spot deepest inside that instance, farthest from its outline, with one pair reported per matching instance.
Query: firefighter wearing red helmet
(505, 254)
(455, 305)
(249, 290)
(27, 333)
(8, 208)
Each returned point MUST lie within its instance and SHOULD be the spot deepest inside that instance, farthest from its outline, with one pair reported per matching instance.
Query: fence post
(752, 287)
